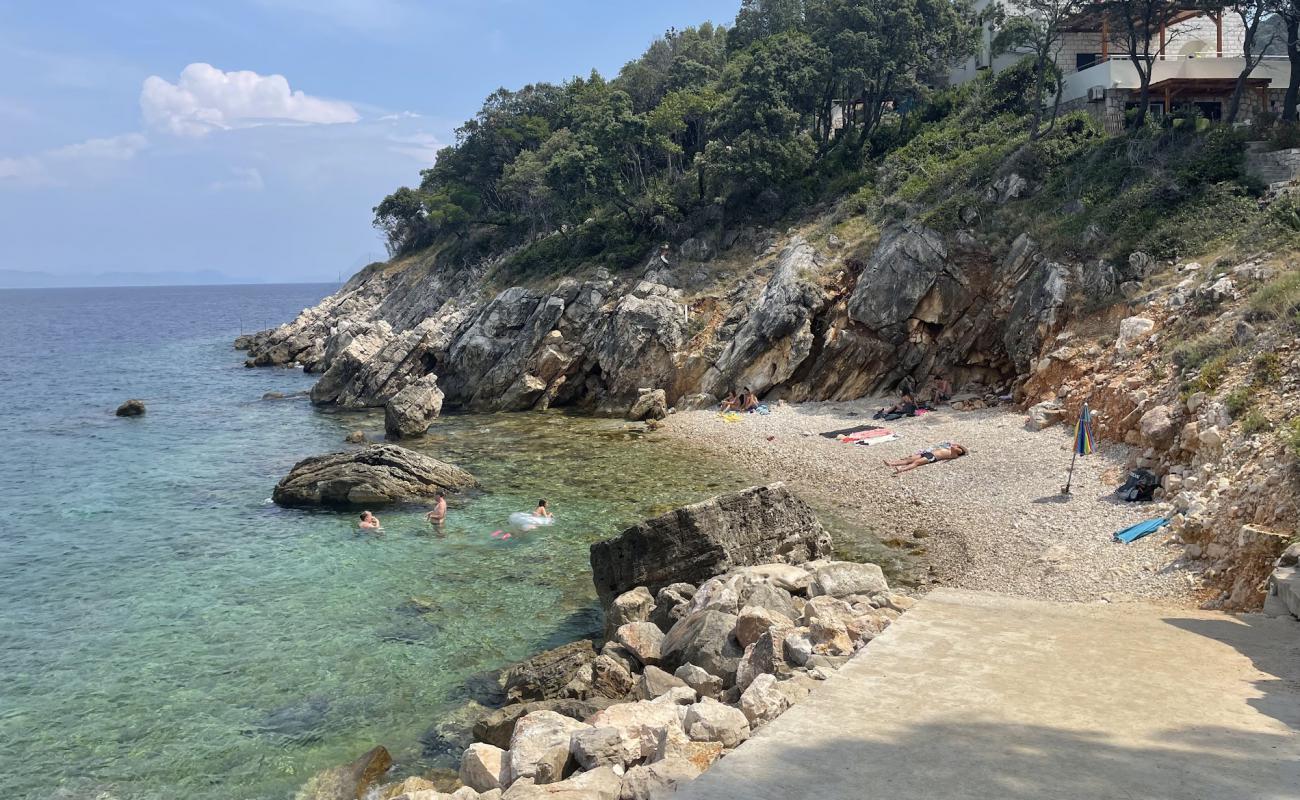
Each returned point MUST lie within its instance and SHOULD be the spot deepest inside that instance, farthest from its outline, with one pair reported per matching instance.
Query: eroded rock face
(910, 260)
(372, 476)
(414, 408)
(755, 526)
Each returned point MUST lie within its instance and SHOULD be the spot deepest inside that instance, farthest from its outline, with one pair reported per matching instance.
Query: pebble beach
(995, 520)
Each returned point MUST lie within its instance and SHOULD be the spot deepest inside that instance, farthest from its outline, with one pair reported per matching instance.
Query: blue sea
(167, 632)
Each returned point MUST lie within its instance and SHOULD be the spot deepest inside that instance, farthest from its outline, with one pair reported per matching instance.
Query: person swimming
(542, 510)
(368, 521)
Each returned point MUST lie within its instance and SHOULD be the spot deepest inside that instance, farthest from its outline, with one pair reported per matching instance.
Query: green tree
(1038, 26)
(878, 50)
(759, 19)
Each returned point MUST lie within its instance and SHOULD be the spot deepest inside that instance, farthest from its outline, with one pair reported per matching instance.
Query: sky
(253, 137)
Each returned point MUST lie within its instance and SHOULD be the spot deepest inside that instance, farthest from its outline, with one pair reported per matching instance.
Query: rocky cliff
(789, 319)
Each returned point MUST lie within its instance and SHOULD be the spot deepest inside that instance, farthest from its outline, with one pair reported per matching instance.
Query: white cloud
(423, 147)
(205, 99)
(248, 179)
(400, 115)
(83, 155)
(113, 148)
(23, 168)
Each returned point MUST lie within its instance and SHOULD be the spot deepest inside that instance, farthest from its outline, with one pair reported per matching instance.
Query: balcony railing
(1116, 71)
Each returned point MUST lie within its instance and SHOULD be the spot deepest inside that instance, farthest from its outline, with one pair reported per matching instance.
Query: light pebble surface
(994, 520)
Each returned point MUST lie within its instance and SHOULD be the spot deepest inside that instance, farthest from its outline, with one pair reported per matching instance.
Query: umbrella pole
(1070, 477)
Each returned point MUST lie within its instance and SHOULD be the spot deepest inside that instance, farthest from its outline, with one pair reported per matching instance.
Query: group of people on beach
(745, 401)
(438, 515)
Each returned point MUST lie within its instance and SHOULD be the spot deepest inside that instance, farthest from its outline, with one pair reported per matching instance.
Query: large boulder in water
(759, 525)
(414, 408)
(379, 474)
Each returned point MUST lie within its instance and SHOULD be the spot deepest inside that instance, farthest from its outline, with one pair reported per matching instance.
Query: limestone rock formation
(372, 476)
(545, 675)
(414, 408)
(650, 404)
(759, 525)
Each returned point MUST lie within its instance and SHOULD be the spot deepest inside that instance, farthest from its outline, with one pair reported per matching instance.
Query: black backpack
(1141, 484)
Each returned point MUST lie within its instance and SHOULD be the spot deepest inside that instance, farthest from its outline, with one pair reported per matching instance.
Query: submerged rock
(131, 408)
(350, 781)
(376, 475)
(759, 525)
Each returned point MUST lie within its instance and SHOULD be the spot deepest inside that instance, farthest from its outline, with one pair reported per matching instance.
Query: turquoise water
(166, 632)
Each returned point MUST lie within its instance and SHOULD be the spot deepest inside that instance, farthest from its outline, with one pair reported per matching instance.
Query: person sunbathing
(748, 400)
(731, 402)
(943, 451)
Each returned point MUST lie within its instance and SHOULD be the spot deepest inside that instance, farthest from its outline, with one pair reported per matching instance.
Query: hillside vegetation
(716, 127)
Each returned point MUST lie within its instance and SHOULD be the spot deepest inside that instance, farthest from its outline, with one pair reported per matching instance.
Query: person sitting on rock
(905, 407)
(943, 451)
(439, 513)
(368, 521)
(748, 400)
(731, 402)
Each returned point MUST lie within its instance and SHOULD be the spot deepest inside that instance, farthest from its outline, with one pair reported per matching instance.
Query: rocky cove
(718, 617)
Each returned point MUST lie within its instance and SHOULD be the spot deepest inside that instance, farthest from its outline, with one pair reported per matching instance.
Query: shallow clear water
(167, 632)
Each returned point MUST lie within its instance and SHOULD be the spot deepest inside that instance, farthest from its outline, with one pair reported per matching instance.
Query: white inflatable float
(526, 521)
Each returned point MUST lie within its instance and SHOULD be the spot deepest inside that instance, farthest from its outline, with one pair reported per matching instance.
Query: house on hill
(1198, 56)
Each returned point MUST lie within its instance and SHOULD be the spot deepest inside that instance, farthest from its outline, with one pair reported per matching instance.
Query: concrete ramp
(979, 696)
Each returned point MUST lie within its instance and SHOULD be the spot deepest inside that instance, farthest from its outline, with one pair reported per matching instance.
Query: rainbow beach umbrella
(1082, 442)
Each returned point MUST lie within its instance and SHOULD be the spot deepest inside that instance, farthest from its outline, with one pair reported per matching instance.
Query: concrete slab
(973, 696)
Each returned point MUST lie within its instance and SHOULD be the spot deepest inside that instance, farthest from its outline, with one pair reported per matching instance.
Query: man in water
(943, 451)
(439, 513)
(368, 521)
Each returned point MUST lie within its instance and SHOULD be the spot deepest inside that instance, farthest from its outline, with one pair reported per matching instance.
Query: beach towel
(853, 438)
(892, 437)
(1145, 528)
(850, 431)
(730, 416)
(762, 409)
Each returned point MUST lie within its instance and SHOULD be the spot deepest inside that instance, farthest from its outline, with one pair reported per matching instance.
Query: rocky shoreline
(719, 617)
(780, 315)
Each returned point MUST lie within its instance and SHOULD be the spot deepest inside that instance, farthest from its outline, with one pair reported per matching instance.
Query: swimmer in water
(542, 510)
(368, 521)
(439, 513)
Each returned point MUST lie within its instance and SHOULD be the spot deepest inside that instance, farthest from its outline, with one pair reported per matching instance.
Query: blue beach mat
(1145, 528)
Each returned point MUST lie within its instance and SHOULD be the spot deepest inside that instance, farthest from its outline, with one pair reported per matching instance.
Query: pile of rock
(719, 616)
(689, 673)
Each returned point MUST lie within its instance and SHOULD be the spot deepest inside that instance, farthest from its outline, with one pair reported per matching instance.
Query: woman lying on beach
(943, 451)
